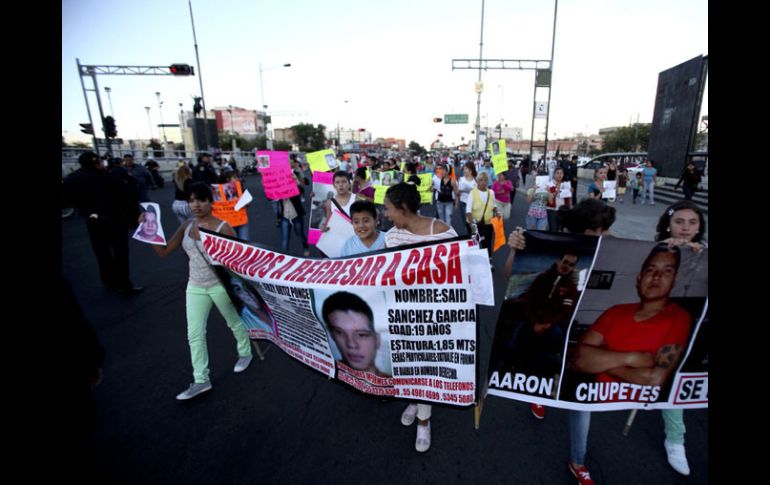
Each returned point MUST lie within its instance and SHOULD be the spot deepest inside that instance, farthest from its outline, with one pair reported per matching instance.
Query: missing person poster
(226, 197)
(499, 156)
(277, 177)
(397, 322)
(601, 324)
(150, 231)
(322, 160)
(323, 192)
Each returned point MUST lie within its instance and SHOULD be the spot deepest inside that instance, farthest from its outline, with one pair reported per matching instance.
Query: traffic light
(197, 108)
(437, 120)
(110, 131)
(181, 69)
(362, 129)
(87, 128)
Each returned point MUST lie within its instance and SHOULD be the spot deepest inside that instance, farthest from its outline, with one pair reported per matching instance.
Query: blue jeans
(538, 224)
(299, 229)
(445, 212)
(242, 232)
(648, 187)
(579, 423)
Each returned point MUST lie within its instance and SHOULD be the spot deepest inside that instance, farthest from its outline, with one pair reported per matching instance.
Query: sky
(391, 61)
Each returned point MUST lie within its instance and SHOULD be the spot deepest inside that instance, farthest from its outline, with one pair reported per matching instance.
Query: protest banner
(226, 197)
(340, 230)
(277, 177)
(603, 324)
(399, 322)
(323, 191)
(609, 189)
(426, 182)
(499, 156)
(379, 194)
(150, 231)
(321, 161)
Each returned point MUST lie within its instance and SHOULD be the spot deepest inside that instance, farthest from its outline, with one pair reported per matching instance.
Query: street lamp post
(149, 123)
(232, 129)
(108, 91)
(160, 110)
(262, 95)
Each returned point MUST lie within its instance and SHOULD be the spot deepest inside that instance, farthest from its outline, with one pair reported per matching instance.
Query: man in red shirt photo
(639, 343)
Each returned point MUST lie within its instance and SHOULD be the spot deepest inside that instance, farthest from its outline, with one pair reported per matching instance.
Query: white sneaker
(193, 391)
(407, 417)
(422, 443)
(242, 364)
(677, 458)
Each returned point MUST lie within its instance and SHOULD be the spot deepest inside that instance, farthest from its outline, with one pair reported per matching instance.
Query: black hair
(663, 248)
(663, 230)
(361, 172)
(588, 214)
(151, 208)
(346, 302)
(472, 167)
(411, 167)
(202, 155)
(88, 160)
(201, 191)
(363, 206)
(404, 196)
(341, 173)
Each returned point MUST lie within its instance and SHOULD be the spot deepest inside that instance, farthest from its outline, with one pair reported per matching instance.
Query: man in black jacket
(204, 172)
(109, 205)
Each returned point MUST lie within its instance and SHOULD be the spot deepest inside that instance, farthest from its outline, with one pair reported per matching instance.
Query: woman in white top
(401, 204)
(203, 289)
(465, 184)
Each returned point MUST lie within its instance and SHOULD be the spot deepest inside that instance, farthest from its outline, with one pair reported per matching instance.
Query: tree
(416, 149)
(631, 138)
(308, 137)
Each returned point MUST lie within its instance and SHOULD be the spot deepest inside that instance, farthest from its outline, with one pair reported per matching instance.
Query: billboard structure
(677, 107)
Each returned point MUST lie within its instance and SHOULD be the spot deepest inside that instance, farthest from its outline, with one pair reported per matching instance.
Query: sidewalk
(632, 221)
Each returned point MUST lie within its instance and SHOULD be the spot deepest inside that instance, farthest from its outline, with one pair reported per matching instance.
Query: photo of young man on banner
(355, 330)
(541, 298)
(632, 331)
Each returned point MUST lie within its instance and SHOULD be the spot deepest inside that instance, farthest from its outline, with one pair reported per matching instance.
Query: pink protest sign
(277, 177)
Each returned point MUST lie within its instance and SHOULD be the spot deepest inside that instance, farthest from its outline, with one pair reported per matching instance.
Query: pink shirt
(503, 191)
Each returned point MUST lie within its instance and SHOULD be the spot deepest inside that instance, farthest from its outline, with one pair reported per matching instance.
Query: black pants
(487, 232)
(110, 242)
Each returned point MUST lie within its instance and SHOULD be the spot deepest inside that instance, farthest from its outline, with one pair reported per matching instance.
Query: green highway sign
(455, 119)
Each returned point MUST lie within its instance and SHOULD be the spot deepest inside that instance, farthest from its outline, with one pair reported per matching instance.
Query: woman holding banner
(401, 204)
(203, 289)
(681, 224)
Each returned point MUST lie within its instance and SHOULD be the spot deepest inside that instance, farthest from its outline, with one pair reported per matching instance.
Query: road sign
(114, 141)
(455, 119)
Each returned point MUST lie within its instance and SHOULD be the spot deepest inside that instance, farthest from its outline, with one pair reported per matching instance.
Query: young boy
(363, 213)
(636, 183)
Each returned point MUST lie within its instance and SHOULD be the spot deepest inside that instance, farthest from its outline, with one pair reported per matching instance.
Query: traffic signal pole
(88, 108)
(92, 71)
(101, 114)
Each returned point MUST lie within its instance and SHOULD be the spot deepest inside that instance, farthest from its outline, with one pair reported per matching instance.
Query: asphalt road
(280, 422)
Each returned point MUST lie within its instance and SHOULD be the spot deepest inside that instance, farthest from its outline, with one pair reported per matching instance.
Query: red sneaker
(537, 410)
(581, 473)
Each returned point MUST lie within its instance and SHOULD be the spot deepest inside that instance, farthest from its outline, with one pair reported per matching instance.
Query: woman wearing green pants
(204, 289)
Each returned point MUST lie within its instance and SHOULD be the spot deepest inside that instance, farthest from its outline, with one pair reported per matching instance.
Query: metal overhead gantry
(542, 69)
(93, 71)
